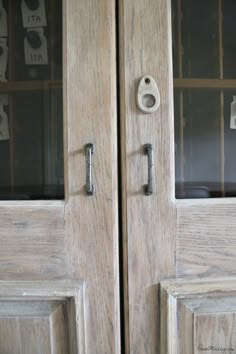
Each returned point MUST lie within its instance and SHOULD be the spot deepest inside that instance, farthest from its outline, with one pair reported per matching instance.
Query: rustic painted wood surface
(206, 237)
(78, 238)
(148, 221)
(198, 316)
(162, 237)
(32, 238)
(24, 335)
(42, 317)
(90, 111)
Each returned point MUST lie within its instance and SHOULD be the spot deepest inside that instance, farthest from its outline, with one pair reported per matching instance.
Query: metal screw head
(91, 191)
(147, 190)
(90, 146)
(146, 148)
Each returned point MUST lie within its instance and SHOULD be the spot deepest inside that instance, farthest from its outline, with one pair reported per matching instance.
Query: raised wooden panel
(206, 238)
(32, 238)
(31, 335)
(41, 318)
(198, 316)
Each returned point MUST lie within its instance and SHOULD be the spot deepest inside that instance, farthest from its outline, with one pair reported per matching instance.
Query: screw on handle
(89, 150)
(148, 150)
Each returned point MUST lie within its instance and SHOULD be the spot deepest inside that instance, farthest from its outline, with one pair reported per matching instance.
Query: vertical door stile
(91, 220)
(148, 221)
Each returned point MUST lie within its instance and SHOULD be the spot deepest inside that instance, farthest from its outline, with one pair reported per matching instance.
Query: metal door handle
(89, 150)
(148, 150)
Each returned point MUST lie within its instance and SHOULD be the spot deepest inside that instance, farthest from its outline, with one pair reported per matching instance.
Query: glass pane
(204, 61)
(31, 112)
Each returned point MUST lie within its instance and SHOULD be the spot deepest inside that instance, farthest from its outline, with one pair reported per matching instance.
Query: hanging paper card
(33, 13)
(3, 59)
(3, 21)
(35, 44)
(4, 127)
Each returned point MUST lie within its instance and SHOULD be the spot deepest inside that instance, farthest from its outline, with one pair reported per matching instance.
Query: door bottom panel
(198, 316)
(41, 318)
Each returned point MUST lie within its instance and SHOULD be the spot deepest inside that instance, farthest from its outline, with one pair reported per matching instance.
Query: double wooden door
(84, 251)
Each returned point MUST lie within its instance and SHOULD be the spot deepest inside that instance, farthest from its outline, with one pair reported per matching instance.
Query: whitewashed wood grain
(90, 117)
(78, 238)
(32, 241)
(42, 317)
(206, 238)
(148, 222)
(198, 314)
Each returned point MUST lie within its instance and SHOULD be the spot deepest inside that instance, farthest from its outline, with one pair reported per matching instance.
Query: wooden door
(186, 228)
(59, 251)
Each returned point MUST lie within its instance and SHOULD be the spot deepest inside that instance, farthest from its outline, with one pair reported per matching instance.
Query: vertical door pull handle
(89, 150)
(148, 150)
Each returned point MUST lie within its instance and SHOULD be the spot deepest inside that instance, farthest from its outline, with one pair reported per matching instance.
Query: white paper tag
(3, 59)
(3, 22)
(35, 17)
(233, 123)
(39, 55)
(4, 127)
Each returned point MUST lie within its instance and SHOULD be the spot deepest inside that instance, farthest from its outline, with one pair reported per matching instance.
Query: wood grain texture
(42, 317)
(27, 335)
(186, 287)
(32, 239)
(7, 344)
(215, 331)
(206, 239)
(59, 330)
(77, 239)
(34, 333)
(203, 231)
(149, 222)
(198, 315)
(34, 336)
(90, 117)
(184, 340)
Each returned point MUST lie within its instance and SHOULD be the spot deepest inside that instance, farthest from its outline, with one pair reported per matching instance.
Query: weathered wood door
(187, 227)
(59, 252)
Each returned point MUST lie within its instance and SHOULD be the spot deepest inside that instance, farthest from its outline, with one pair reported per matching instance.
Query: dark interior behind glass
(31, 152)
(204, 64)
